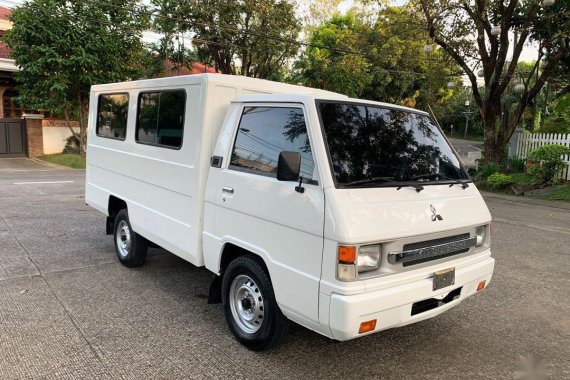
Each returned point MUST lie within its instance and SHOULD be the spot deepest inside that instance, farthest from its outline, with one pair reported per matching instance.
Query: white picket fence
(529, 141)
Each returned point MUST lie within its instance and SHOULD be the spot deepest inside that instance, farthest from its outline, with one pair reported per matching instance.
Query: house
(26, 134)
(8, 108)
(13, 139)
(20, 134)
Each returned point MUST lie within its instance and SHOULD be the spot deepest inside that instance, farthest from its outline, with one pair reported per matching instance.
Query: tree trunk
(493, 152)
(490, 115)
(68, 123)
(83, 113)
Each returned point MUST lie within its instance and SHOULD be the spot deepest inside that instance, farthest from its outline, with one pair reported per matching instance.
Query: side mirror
(289, 166)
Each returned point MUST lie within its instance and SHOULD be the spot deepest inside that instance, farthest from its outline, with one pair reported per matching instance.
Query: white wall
(55, 138)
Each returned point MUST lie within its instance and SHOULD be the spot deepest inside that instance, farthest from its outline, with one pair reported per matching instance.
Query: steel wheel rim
(246, 304)
(123, 238)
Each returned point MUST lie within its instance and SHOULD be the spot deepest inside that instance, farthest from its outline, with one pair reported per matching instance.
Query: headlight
(482, 234)
(369, 257)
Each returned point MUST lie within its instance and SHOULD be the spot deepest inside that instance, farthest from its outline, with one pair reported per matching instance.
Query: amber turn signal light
(367, 326)
(481, 286)
(346, 254)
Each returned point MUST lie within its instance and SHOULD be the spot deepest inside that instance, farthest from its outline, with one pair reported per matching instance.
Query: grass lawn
(562, 194)
(75, 161)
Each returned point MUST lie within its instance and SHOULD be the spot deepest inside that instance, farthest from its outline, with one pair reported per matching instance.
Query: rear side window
(160, 118)
(112, 113)
(263, 133)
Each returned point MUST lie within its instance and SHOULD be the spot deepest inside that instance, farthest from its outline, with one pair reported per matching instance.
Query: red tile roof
(199, 68)
(171, 70)
(4, 12)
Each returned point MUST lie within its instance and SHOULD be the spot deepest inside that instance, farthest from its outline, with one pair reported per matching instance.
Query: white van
(343, 215)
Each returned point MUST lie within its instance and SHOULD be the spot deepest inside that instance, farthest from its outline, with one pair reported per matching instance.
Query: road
(464, 148)
(69, 310)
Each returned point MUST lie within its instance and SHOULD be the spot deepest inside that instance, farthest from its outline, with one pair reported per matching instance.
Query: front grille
(434, 242)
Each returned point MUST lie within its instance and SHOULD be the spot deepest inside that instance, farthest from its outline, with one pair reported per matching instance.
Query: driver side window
(263, 133)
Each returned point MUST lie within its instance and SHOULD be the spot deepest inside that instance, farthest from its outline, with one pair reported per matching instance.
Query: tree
(171, 53)
(380, 61)
(475, 33)
(253, 38)
(314, 13)
(65, 47)
(452, 110)
(333, 61)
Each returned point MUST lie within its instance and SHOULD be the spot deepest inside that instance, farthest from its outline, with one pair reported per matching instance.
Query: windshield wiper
(464, 184)
(416, 186)
(370, 180)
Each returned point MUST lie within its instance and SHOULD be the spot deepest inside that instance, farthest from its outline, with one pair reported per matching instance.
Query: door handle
(229, 190)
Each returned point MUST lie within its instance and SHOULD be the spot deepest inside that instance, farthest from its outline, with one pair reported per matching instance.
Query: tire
(130, 247)
(250, 307)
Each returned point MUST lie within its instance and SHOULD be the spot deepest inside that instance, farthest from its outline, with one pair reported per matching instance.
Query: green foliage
(314, 13)
(381, 61)
(559, 120)
(463, 30)
(522, 179)
(499, 180)
(551, 162)
(71, 145)
(514, 164)
(64, 47)
(556, 124)
(245, 37)
(450, 110)
(486, 169)
(334, 71)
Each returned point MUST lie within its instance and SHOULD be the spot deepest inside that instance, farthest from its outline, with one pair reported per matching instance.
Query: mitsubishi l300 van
(346, 216)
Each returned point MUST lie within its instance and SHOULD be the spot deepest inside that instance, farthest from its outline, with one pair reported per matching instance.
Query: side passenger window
(112, 113)
(263, 133)
(160, 118)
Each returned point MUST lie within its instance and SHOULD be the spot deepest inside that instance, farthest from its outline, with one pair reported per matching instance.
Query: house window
(263, 133)
(12, 108)
(160, 118)
(112, 113)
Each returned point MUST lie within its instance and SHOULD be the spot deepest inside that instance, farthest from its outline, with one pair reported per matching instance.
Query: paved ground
(69, 310)
(464, 148)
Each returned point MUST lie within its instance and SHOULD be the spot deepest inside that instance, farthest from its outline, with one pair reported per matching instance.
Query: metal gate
(12, 138)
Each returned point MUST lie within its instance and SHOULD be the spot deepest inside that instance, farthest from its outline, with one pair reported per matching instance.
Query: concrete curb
(523, 199)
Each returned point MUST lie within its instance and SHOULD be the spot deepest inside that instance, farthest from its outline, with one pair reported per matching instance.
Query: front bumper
(392, 307)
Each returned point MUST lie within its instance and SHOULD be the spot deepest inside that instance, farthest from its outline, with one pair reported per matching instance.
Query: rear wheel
(131, 248)
(250, 307)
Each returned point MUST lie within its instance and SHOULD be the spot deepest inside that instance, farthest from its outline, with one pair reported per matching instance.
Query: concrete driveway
(15, 165)
(69, 310)
(467, 150)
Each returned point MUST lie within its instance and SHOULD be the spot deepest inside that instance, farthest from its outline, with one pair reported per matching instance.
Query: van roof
(261, 85)
(268, 90)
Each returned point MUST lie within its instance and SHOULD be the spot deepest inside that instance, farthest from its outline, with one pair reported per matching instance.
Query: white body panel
(164, 188)
(178, 201)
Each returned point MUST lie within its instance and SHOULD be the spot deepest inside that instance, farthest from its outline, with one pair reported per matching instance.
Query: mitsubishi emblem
(435, 216)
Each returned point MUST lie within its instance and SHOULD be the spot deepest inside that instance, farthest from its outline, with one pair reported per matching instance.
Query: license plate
(443, 278)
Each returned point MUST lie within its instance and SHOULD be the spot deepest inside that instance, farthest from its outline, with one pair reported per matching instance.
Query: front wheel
(250, 306)
(131, 248)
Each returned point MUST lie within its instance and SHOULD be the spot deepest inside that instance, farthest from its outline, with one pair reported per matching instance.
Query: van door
(267, 216)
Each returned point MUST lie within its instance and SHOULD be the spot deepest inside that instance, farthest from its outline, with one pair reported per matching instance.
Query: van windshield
(372, 146)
